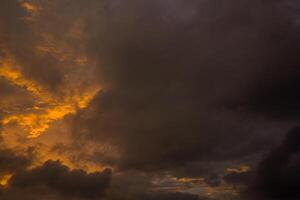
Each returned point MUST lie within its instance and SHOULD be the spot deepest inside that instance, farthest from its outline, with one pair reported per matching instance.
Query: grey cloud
(236, 178)
(169, 83)
(278, 173)
(60, 178)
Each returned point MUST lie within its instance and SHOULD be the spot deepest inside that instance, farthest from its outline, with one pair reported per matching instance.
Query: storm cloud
(278, 173)
(143, 99)
(175, 76)
(55, 180)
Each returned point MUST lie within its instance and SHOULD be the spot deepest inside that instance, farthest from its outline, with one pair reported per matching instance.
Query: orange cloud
(39, 118)
(4, 179)
(16, 78)
(241, 169)
(29, 7)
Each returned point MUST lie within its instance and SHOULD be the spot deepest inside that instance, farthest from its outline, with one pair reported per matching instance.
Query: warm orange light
(4, 179)
(15, 77)
(241, 169)
(39, 119)
(188, 180)
(29, 7)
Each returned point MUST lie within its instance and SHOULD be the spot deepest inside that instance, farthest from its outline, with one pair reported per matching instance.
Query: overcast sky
(149, 99)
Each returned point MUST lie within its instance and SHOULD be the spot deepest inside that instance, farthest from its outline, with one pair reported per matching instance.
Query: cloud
(60, 178)
(170, 196)
(239, 177)
(18, 39)
(278, 173)
(52, 180)
(37, 60)
(170, 72)
(55, 181)
(137, 186)
(275, 95)
(10, 162)
(183, 88)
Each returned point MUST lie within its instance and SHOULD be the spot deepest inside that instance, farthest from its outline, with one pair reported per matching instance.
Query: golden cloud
(39, 118)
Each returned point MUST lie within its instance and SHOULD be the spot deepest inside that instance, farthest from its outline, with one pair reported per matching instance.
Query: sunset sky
(149, 100)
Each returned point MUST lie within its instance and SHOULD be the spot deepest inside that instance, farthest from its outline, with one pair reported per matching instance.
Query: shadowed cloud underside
(140, 99)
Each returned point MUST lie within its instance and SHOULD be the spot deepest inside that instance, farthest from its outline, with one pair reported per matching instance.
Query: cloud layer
(143, 99)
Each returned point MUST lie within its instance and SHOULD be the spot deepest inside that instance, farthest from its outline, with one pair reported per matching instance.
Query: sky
(149, 100)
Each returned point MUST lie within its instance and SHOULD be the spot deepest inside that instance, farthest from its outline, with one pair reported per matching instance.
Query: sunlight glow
(39, 118)
(4, 179)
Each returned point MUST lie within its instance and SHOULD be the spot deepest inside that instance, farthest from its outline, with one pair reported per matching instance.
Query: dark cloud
(55, 181)
(10, 162)
(193, 169)
(5, 88)
(276, 94)
(169, 196)
(213, 180)
(184, 84)
(237, 178)
(134, 186)
(55, 176)
(278, 174)
(171, 70)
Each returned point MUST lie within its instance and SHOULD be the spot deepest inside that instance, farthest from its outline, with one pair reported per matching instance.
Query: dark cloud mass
(239, 178)
(58, 177)
(276, 94)
(55, 180)
(178, 99)
(11, 162)
(172, 72)
(278, 174)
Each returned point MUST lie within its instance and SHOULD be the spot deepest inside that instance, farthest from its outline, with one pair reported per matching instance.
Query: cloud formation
(55, 180)
(169, 94)
(171, 73)
(278, 173)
